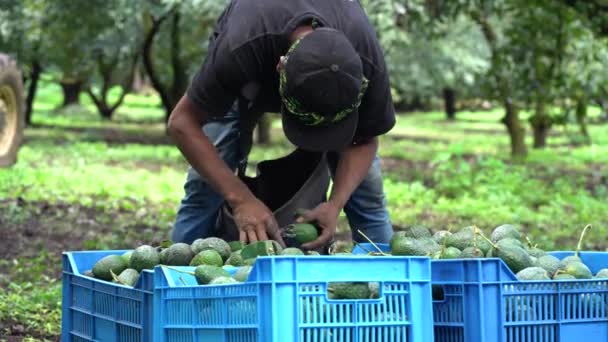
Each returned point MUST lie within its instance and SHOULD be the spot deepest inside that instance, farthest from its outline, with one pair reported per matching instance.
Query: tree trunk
(264, 125)
(581, 119)
(148, 60)
(170, 94)
(31, 91)
(449, 98)
(71, 92)
(541, 124)
(516, 129)
(511, 120)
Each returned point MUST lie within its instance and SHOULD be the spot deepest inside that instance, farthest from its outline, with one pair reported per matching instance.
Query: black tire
(12, 111)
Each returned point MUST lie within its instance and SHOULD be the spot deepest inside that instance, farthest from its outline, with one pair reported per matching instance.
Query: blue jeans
(196, 217)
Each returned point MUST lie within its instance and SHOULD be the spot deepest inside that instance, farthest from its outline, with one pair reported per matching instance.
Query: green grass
(116, 184)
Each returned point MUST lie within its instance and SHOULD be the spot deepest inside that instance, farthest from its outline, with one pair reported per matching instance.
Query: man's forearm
(353, 166)
(203, 157)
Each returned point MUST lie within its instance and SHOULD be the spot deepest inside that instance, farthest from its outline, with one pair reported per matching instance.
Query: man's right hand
(256, 222)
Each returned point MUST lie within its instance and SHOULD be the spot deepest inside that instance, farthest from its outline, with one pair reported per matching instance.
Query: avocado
(515, 257)
(578, 270)
(429, 245)
(207, 257)
(406, 246)
(221, 246)
(482, 244)
(536, 252)
(144, 257)
(235, 259)
(222, 280)
(261, 248)
(491, 253)
(565, 261)
(549, 263)
(301, 233)
(127, 277)
(418, 232)
(206, 273)
(511, 242)
(472, 252)
(127, 256)
(235, 246)
(533, 273)
(292, 251)
(356, 290)
(178, 254)
(563, 276)
(602, 274)
(451, 253)
(105, 266)
(243, 273)
(89, 273)
(505, 231)
(440, 236)
(461, 239)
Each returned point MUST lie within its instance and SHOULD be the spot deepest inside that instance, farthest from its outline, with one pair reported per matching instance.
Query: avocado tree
(174, 44)
(115, 51)
(21, 34)
(427, 58)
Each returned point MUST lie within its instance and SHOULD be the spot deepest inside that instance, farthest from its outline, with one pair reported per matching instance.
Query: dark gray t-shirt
(251, 35)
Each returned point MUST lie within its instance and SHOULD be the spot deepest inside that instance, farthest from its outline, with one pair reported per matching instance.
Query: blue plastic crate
(482, 301)
(97, 310)
(285, 300)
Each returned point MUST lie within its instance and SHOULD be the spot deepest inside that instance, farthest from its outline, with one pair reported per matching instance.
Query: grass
(85, 183)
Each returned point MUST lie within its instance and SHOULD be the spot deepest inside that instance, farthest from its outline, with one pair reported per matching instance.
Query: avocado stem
(372, 242)
(480, 233)
(580, 240)
(177, 270)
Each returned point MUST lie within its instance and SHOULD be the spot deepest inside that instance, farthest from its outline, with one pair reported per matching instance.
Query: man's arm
(252, 217)
(353, 166)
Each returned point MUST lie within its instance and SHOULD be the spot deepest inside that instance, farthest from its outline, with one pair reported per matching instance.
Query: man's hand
(325, 216)
(256, 222)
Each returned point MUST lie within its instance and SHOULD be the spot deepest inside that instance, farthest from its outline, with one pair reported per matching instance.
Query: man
(319, 64)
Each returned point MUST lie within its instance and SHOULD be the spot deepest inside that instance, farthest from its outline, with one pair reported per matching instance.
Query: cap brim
(333, 137)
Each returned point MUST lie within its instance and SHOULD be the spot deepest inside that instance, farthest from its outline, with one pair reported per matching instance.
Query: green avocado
(515, 257)
(578, 270)
(549, 263)
(105, 266)
(533, 273)
(406, 246)
(178, 254)
(472, 252)
(206, 273)
(440, 236)
(207, 257)
(219, 245)
(505, 231)
(144, 257)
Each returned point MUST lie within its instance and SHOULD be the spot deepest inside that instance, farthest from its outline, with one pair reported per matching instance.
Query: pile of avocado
(207, 255)
(506, 242)
(210, 255)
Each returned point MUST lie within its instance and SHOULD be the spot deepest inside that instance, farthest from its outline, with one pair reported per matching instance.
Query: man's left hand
(325, 216)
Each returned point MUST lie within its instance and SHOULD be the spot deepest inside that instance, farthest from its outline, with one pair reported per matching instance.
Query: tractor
(12, 110)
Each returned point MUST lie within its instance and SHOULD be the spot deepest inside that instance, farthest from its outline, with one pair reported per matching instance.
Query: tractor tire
(12, 111)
